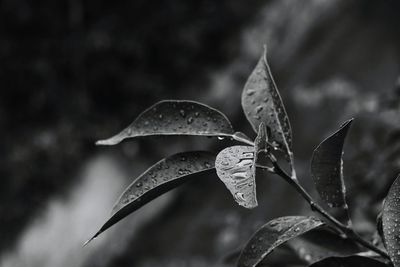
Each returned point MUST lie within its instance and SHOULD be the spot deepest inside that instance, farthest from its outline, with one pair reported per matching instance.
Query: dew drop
(182, 112)
(139, 184)
(196, 114)
(221, 138)
(307, 257)
(189, 120)
(250, 92)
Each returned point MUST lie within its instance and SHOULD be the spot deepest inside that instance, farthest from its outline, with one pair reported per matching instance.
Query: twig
(346, 230)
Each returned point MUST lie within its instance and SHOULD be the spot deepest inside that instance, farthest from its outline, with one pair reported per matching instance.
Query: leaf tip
(109, 142)
(347, 123)
(265, 49)
(89, 240)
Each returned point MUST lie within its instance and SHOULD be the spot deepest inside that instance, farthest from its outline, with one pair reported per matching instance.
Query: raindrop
(196, 114)
(182, 112)
(221, 138)
(240, 196)
(139, 184)
(160, 116)
(189, 120)
(250, 92)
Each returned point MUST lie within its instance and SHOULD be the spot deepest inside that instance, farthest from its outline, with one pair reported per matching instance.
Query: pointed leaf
(261, 102)
(327, 168)
(272, 235)
(236, 170)
(391, 222)
(158, 179)
(175, 117)
(350, 261)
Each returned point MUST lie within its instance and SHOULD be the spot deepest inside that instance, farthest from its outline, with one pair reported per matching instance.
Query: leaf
(282, 256)
(327, 168)
(272, 235)
(379, 228)
(235, 168)
(350, 261)
(391, 222)
(163, 176)
(322, 243)
(261, 102)
(175, 117)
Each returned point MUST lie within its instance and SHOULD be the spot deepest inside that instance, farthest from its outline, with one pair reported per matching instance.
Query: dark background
(72, 72)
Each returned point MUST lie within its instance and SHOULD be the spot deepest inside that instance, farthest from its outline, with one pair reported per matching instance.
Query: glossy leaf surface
(391, 222)
(261, 102)
(158, 179)
(235, 168)
(175, 117)
(322, 243)
(351, 261)
(273, 234)
(327, 168)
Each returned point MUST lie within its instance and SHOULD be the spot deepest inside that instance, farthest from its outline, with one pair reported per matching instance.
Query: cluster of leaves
(323, 241)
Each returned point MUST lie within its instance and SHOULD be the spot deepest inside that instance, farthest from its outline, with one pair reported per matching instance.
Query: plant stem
(346, 230)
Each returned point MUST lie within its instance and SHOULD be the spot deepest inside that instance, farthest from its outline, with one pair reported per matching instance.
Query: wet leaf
(272, 235)
(261, 102)
(351, 261)
(391, 222)
(158, 179)
(236, 170)
(327, 168)
(175, 117)
(322, 243)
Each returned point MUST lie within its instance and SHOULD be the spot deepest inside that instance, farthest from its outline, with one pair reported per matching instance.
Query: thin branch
(346, 230)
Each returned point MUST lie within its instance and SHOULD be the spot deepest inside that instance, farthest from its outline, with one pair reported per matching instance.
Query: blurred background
(73, 72)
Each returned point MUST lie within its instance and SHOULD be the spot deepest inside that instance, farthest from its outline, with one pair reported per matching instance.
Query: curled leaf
(235, 168)
(327, 168)
(391, 222)
(175, 117)
(158, 179)
(379, 229)
(349, 261)
(261, 102)
(272, 235)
